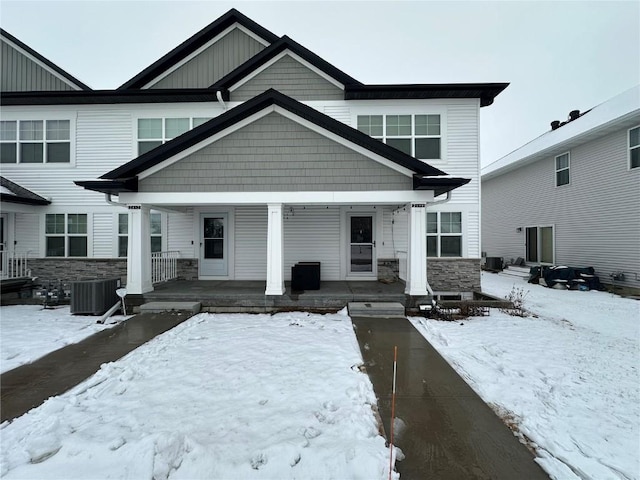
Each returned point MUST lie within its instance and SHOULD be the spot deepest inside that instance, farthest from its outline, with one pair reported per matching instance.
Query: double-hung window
(155, 220)
(444, 234)
(562, 169)
(35, 141)
(153, 132)
(634, 147)
(66, 234)
(417, 135)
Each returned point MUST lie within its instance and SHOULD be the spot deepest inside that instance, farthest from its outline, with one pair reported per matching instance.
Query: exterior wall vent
(94, 297)
(555, 124)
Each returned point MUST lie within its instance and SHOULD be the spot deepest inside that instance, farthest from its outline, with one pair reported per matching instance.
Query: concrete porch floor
(248, 296)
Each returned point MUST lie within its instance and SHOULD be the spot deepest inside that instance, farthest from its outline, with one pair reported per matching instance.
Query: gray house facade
(571, 196)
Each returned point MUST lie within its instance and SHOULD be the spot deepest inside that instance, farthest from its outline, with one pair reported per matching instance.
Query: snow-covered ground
(217, 397)
(29, 332)
(567, 376)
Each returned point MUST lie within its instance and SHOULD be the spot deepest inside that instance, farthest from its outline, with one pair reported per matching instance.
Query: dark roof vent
(555, 124)
(573, 114)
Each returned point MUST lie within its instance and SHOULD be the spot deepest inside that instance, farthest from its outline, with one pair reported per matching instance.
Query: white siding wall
(312, 234)
(395, 230)
(104, 227)
(28, 234)
(180, 232)
(251, 243)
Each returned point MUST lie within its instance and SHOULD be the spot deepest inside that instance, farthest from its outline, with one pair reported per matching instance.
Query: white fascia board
(343, 141)
(197, 52)
(279, 57)
(616, 110)
(393, 197)
(206, 142)
(43, 65)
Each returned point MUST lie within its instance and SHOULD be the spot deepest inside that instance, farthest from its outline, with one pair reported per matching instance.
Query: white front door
(214, 249)
(361, 261)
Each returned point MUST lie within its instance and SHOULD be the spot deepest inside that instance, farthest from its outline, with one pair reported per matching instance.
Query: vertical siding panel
(251, 243)
(180, 233)
(215, 62)
(27, 233)
(103, 235)
(313, 234)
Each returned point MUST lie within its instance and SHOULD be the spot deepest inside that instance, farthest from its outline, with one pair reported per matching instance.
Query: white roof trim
(617, 109)
(42, 65)
(281, 55)
(287, 114)
(197, 52)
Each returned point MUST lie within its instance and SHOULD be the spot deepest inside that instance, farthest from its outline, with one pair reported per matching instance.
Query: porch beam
(417, 251)
(391, 197)
(275, 249)
(139, 251)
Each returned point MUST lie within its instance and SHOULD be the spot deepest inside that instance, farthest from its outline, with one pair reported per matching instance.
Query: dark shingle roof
(20, 194)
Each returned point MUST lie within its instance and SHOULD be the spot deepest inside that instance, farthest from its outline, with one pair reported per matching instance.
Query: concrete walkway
(28, 386)
(447, 431)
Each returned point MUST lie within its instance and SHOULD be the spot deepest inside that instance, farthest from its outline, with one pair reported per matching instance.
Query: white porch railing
(402, 264)
(164, 266)
(14, 264)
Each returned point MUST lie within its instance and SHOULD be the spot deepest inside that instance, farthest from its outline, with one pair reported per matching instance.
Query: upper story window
(562, 169)
(35, 141)
(416, 135)
(634, 147)
(153, 132)
(444, 234)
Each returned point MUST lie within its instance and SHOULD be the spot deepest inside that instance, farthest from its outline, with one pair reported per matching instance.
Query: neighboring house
(571, 196)
(243, 153)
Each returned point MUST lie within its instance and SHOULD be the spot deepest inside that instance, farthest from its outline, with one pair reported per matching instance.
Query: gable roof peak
(196, 41)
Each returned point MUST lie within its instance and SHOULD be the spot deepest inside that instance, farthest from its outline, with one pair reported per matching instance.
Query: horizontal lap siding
(104, 225)
(180, 233)
(394, 232)
(596, 216)
(292, 78)
(21, 74)
(312, 234)
(250, 242)
(215, 62)
(275, 154)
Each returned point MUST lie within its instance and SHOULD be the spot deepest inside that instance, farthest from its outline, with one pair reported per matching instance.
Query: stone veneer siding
(68, 270)
(454, 274)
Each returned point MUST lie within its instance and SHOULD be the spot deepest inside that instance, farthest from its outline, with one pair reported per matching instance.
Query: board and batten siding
(27, 234)
(275, 153)
(290, 77)
(213, 63)
(18, 73)
(596, 216)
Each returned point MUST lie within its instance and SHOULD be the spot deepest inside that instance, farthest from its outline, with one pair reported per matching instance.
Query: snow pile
(568, 377)
(217, 397)
(29, 332)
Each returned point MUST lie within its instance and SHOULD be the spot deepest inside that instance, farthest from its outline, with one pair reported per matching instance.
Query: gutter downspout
(439, 202)
(220, 100)
(107, 198)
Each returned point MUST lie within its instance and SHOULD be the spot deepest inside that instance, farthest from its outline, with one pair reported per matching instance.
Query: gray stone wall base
(388, 270)
(454, 274)
(68, 270)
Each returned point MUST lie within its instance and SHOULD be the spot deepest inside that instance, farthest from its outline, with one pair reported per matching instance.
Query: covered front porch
(249, 295)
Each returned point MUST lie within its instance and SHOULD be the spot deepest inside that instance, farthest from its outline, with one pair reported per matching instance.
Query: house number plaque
(418, 205)
(134, 207)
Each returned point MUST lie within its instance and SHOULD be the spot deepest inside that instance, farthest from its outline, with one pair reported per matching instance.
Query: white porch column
(139, 252)
(417, 252)
(275, 249)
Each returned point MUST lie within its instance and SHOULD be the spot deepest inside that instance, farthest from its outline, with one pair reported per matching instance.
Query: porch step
(159, 307)
(376, 309)
(513, 271)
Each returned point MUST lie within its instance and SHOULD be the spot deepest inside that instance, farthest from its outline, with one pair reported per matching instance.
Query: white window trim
(439, 234)
(117, 235)
(568, 168)
(629, 148)
(43, 118)
(413, 111)
(164, 139)
(44, 235)
(539, 252)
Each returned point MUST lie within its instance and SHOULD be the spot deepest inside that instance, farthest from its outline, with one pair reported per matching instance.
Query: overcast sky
(557, 56)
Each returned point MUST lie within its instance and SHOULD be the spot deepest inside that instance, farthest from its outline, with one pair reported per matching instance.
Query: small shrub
(516, 296)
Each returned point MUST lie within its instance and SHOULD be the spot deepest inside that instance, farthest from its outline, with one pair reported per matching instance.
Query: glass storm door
(361, 245)
(213, 245)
